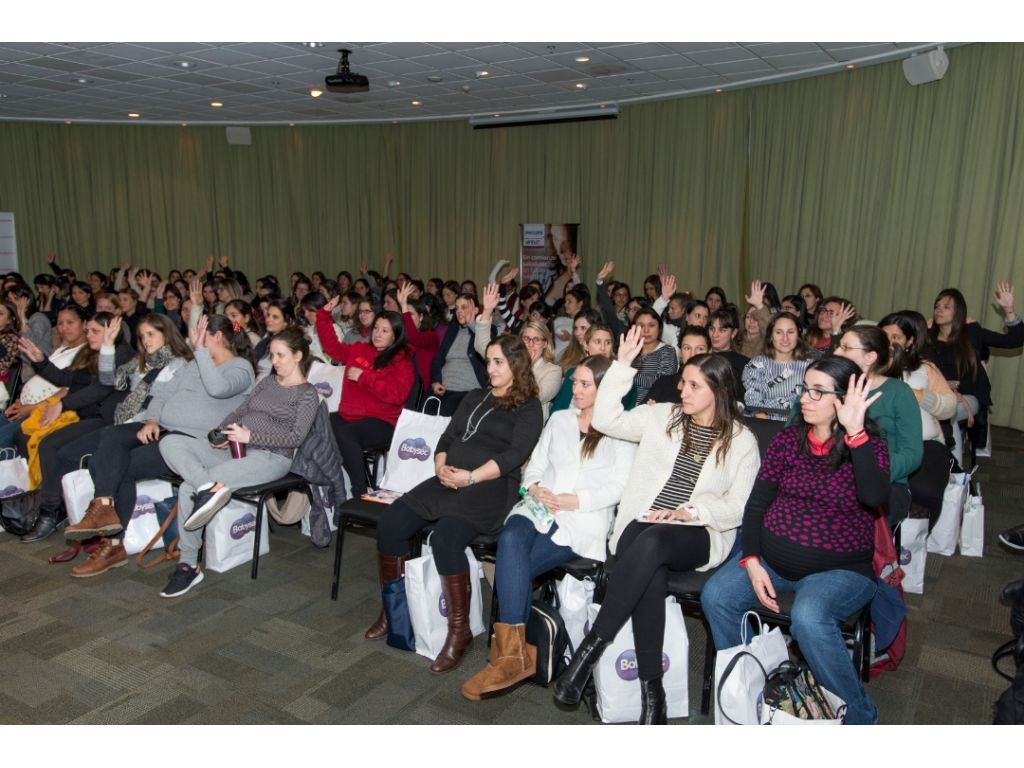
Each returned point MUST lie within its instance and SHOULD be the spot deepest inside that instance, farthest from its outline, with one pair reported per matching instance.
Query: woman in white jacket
(574, 479)
(684, 500)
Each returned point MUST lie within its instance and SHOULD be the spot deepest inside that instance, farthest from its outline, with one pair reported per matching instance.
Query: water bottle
(538, 511)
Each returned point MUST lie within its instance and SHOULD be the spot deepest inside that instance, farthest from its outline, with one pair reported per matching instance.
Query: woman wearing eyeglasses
(538, 341)
(808, 528)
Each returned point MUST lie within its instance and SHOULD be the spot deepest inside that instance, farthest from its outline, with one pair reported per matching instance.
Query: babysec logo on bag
(243, 525)
(626, 666)
(143, 506)
(414, 448)
(442, 606)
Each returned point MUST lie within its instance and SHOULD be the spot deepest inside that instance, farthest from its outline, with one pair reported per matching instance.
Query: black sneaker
(207, 504)
(182, 580)
(1013, 538)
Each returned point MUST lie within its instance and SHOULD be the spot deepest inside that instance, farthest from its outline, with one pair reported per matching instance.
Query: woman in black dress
(477, 463)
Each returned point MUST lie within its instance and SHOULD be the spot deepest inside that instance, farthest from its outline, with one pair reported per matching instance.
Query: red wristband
(747, 559)
(857, 440)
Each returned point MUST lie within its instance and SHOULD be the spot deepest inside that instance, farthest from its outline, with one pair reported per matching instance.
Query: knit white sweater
(721, 490)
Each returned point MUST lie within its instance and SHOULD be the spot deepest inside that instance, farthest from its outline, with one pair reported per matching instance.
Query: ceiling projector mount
(344, 80)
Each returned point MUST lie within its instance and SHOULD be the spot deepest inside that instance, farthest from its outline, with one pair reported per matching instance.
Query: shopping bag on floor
(78, 492)
(972, 530)
(427, 607)
(943, 538)
(913, 553)
(411, 458)
(13, 473)
(616, 676)
(740, 672)
(574, 599)
(145, 525)
(229, 536)
(791, 696)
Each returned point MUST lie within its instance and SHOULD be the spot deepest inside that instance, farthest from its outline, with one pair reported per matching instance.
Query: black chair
(259, 495)
(373, 459)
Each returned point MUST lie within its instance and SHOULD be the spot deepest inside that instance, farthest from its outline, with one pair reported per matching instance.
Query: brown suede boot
(100, 520)
(456, 595)
(389, 568)
(512, 660)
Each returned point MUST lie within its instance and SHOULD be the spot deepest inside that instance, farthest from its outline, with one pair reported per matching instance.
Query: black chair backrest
(764, 430)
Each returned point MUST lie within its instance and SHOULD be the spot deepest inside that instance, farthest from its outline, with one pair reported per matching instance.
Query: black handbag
(545, 629)
(18, 514)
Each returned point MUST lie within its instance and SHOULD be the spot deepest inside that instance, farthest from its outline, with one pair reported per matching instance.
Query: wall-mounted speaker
(926, 67)
(238, 135)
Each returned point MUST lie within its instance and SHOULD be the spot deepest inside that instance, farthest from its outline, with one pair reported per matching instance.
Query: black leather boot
(47, 522)
(569, 686)
(653, 709)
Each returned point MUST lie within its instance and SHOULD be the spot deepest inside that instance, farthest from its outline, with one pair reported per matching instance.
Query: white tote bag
(574, 599)
(328, 380)
(616, 676)
(144, 525)
(739, 679)
(13, 474)
(972, 531)
(428, 610)
(943, 538)
(913, 553)
(78, 492)
(229, 536)
(411, 458)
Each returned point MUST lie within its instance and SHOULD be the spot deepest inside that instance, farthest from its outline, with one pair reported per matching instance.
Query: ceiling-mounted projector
(344, 80)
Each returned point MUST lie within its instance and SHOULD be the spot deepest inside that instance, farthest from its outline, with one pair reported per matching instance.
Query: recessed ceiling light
(718, 90)
(291, 125)
(435, 78)
(216, 104)
(184, 125)
(603, 106)
(81, 80)
(316, 93)
(133, 114)
(581, 86)
(582, 59)
(314, 45)
(394, 83)
(416, 103)
(482, 73)
(850, 66)
(185, 64)
(67, 122)
(497, 114)
(3, 95)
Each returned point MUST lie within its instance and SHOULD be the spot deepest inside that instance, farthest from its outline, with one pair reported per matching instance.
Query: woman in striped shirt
(769, 379)
(656, 358)
(695, 465)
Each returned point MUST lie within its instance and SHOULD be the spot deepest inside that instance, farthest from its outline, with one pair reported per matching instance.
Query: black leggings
(638, 585)
(353, 438)
(399, 523)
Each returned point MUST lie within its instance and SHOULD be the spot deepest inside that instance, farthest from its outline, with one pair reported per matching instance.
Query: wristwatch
(471, 479)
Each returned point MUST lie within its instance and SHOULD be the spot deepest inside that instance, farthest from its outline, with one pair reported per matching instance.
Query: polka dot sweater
(804, 517)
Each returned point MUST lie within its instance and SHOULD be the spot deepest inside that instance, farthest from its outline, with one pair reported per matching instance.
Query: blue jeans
(822, 601)
(523, 554)
(8, 431)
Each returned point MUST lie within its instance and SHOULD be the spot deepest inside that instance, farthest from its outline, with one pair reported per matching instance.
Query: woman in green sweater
(896, 412)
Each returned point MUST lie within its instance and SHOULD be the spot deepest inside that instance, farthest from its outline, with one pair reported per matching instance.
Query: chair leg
(338, 545)
(709, 668)
(494, 610)
(260, 510)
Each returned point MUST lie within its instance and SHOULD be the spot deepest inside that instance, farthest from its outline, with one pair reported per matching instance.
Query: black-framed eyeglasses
(816, 394)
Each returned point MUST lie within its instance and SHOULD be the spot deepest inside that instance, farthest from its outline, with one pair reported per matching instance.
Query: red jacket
(425, 343)
(377, 394)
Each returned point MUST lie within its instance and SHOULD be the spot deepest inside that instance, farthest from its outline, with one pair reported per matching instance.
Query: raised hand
(509, 276)
(668, 286)
(490, 298)
(223, 261)
(845, 314)
(855, 404)
(209, 263)
(30, 350)
(574, 263)
(1004, 298)
(112, 332)
(630, 345)
(403, 295)
(662, 271)
(607, 269)
(125, 266)
(195, 292)
(364, 267)
(197, 334)
(51, 257)
(333, 302)
(756, 297)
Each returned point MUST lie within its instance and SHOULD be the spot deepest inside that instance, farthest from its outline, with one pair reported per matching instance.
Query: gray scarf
(137, 398)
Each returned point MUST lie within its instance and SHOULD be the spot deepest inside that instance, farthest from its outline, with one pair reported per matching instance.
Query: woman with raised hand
(769, 378)
(576, 352)
(200, 393)
(477, 463)
(808, 528)
(683, 501)
(962, 346)
(378, 378)
(419, 330)
(834, 317)
(755, 321)
(656, 358)
(267, 429)
(578, 475)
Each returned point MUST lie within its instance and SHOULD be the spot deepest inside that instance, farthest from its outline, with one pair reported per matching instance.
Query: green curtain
(857, 181)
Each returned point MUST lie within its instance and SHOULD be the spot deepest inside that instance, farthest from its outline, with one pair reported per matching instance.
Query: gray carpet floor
(278, 650)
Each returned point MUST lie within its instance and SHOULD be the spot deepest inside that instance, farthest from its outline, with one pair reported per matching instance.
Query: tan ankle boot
(512, 660)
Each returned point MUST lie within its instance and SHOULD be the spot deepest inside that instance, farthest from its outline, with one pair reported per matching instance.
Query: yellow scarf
(33, 428)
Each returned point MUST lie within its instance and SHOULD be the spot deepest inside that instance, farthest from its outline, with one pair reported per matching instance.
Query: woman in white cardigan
(684, 499)
(538, 341)
(574, 479)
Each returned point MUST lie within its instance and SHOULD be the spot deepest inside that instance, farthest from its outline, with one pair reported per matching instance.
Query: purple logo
(11, 490)
(144, 505)
(442, 606)
(626, 667)
(243, 526)
(324, 389)
(416, 448)
(905, 556)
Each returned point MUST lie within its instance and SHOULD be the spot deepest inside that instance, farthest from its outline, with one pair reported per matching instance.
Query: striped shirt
(769, 385)
(278, 417)
(662, 361)
(686, 470)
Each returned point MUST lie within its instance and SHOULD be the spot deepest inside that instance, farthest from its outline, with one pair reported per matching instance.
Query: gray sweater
(278, 417)
(200, 395)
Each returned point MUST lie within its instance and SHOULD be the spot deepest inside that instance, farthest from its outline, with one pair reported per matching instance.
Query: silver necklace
(472, 428)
